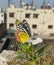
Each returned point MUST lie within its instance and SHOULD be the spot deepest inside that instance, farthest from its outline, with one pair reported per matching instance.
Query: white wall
(45, 18)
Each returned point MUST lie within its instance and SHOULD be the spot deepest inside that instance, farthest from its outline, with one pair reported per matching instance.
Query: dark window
(1, 21)
(51, 34)
(35, 34)
(1, 10)
(27, 15)
(11, 25)
(50, 26)
(34, 26)
(35, 15)
(11, 14)
(53, 10)
(2, 15)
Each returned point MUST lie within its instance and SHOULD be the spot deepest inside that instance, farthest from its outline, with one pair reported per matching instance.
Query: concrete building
(1, 16)
(41, 21)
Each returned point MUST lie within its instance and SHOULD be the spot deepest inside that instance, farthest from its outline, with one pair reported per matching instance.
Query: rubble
(6, 56)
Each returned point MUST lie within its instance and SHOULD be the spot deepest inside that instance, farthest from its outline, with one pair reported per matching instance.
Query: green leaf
(31, 48)
(35, 46)
(40, 51)
(38, 55)
(19, 52)
(31, 63)
(25, 47)
(20, 57)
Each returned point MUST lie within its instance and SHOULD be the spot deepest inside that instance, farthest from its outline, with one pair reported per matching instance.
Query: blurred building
(41, 20)
(1, 16)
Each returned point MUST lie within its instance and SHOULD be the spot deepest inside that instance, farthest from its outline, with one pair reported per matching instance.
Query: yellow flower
(23, 37)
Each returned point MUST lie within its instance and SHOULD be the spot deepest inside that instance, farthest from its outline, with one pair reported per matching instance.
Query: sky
(38, 3)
